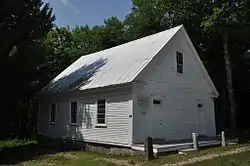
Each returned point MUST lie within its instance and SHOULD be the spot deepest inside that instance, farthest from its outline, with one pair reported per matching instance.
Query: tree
(23, 20)
(23, 25)
(113, 32)
(59, 52)
(87, 40)
(146, 17)
(227, 17)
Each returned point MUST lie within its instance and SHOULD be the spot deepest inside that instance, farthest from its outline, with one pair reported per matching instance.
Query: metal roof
(117, 65)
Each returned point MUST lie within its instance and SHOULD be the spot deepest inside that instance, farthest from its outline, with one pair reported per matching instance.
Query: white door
(201, 119)
(143, 121)
(158, 119)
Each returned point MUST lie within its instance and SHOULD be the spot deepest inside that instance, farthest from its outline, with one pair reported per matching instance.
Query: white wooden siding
(52, 130)
(117, 120)
(180, 95)
(118, 127)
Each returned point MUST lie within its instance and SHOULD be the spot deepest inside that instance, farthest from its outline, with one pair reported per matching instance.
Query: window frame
(70, 112)
(179, 62)
(157, 102)
(157, 98)
(200, 105)
(50, 113)
(101, 125)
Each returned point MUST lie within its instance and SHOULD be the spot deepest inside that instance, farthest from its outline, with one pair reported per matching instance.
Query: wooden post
(148, 148)
(223, 139)
(195, 141)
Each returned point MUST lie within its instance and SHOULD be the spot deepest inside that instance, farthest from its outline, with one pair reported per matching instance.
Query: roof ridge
(136, 40)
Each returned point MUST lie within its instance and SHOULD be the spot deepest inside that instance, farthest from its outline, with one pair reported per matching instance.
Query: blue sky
(91, 12)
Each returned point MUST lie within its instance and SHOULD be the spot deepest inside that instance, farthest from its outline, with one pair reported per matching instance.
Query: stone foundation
(66, 144)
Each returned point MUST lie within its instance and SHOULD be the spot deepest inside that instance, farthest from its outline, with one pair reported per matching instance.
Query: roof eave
(96, 90)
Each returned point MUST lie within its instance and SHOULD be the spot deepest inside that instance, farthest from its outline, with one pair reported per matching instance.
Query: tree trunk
(229, 81)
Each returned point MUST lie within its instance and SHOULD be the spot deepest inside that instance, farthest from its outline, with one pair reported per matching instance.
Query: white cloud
(66, 3)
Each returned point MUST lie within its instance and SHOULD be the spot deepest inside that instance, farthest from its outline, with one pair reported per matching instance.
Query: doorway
(201, 119)
(158, 119)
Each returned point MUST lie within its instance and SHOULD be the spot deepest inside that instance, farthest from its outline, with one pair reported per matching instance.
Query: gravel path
(210, 156)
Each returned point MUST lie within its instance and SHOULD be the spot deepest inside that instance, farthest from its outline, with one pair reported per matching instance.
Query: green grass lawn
(15, 143)
(242, 159)
(95, 159)
(28, 152)
(68, 158)
(174, 158)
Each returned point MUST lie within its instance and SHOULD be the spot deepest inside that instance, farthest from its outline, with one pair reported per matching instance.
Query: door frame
(201, 117)
(156, 121)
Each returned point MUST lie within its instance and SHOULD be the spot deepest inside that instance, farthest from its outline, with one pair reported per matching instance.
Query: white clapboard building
(155, 86)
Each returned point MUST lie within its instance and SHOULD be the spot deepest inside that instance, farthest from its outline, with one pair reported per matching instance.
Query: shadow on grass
(18, 154)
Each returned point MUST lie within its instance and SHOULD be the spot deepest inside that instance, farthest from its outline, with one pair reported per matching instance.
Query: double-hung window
(53, 113)
(101, 111)
(73, 112)
(179, 62)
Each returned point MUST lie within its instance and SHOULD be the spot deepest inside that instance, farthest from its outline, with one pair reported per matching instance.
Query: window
(52, 113)
(199, 105)
(179, 60)
(157, 102)
(101, 111)
(73, 112)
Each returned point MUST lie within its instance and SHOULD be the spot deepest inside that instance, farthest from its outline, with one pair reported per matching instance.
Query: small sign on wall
(143, 101)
